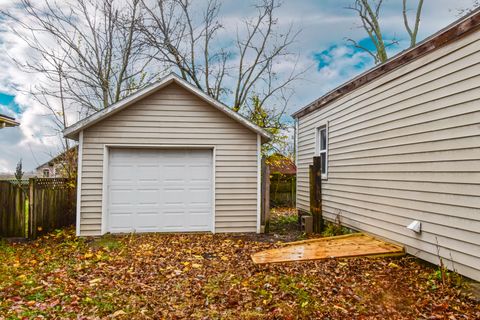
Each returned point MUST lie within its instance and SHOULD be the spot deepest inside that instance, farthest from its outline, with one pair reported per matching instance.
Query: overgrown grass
(334, 229)
(108, 241)
(284, 224)
(444, 277)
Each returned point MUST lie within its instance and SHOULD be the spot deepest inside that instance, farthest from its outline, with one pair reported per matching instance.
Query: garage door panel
(174, 173)
(123, 155)
(146, 197)
(119, 197)
(151, 182)
(199, 196)
(173, 196)
(174, 221)
(121, 230)
(175, 155)
(160, 190)
(200, 174)
(147, 173)
(147, 221)
(120, 173)
(120, 221)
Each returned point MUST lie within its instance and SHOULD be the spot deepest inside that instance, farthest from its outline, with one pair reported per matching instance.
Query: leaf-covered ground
(201, 276)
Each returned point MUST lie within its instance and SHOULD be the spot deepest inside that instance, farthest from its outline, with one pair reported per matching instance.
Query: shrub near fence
(36, 206)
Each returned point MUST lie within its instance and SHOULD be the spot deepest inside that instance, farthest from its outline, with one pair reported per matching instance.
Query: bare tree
(90, 52)
(369, 14)
(369, 17)
(412, 32)
(189, 42)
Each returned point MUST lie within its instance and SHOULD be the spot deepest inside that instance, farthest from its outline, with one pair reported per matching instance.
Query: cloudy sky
(324, 24)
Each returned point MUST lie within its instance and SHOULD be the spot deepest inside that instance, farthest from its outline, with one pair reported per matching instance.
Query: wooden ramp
(351, 245)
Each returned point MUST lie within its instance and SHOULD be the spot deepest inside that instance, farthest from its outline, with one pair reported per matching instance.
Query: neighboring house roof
(6, 121)
(279, 163)
(55, 159)
(73, 131)
(456, 30)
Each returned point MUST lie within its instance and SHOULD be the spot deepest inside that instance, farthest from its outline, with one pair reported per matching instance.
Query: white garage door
(159, 190)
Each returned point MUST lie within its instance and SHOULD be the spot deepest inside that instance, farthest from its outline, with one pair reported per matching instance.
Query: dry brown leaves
(202, 276)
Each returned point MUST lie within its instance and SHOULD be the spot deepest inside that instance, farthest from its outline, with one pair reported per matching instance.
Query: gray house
(168, 158)
(57, 166)
(401, 143)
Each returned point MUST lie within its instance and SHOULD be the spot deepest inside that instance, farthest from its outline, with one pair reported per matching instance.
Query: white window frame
(321, 126)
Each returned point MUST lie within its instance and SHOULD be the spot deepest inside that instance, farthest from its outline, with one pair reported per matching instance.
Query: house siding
(406, 147)
(174, 116)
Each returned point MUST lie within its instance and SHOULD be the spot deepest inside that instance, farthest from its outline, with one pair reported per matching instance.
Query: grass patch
(284, 224)
(108, 242)
(334, 229)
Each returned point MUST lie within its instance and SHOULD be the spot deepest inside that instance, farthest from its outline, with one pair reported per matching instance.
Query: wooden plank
(321, 239)
(355, 245)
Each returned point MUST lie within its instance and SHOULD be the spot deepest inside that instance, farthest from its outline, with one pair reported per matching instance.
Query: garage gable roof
(73, 131)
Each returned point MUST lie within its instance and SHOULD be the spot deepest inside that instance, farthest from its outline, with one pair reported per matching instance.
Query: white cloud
(342, 63)
(325, 24)
(33, 141)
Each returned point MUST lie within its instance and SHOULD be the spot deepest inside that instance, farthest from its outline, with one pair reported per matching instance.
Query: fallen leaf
(118, 313)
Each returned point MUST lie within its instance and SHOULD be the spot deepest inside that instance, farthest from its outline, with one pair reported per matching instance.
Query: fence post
(316, 194)
(31, 209)
(265, 196)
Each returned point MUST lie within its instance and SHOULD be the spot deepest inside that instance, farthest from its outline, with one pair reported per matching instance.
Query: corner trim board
(259, 181)
(79, 184)
(104, 223)
(214, 185)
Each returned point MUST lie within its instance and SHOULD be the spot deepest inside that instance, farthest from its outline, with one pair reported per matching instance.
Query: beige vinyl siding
(174, 116)
(406, 147)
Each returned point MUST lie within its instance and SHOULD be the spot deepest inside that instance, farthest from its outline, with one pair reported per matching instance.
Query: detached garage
(168, 158)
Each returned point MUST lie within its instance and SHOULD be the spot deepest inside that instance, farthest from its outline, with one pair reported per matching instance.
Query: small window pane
(323, 156)
(323, 139)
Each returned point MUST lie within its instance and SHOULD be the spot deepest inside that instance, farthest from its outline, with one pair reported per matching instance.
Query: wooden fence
(282, 190)
(13, 208)
(36, 206)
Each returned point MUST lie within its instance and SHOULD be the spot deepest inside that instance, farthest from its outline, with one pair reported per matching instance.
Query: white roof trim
(73, 131)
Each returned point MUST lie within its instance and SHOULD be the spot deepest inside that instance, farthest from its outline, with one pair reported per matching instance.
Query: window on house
(46, 173)
(322, 147)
